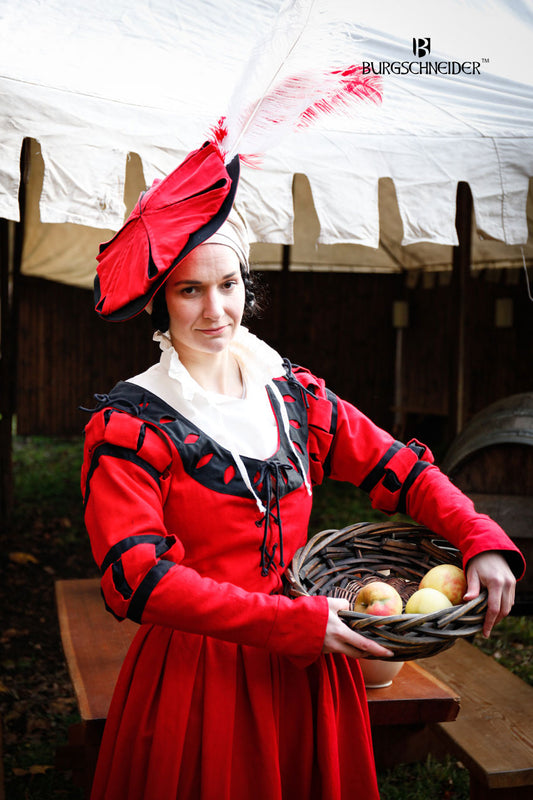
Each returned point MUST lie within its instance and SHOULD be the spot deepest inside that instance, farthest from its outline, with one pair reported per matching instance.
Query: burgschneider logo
(421, 49)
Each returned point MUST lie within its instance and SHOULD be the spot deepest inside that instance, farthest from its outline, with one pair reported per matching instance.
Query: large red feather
(352, 86)
(296, 102)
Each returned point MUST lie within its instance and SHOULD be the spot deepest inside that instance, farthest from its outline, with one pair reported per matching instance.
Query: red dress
(224, 694)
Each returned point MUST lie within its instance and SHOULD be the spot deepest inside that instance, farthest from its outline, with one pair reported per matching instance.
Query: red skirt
(195, 718)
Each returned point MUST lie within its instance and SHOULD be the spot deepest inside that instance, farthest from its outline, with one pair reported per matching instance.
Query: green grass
(46, 476)
(429, 780)
(336, 505)
(36, 698)
(512, 645)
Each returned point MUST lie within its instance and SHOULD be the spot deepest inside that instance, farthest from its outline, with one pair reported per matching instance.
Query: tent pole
(285, 302)
(6, 470)
(462, 258)
(10, 260)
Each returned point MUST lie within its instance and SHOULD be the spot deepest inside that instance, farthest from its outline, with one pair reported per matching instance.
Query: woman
(198, 482)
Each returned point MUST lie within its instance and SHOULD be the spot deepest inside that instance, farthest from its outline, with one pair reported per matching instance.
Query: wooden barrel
(491, 460)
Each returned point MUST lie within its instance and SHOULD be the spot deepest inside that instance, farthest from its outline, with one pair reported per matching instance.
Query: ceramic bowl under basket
(378, 674)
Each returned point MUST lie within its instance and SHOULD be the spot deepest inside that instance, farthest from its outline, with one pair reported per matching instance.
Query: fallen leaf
(62, 705)
(12, 633)
(22, 558)
(35, 769)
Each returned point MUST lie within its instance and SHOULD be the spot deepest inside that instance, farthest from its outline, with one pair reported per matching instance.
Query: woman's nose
(212, 305)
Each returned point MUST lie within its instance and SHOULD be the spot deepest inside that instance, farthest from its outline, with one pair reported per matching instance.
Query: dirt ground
(37, 703)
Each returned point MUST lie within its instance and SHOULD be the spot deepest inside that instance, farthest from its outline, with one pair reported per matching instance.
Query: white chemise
(246, 425)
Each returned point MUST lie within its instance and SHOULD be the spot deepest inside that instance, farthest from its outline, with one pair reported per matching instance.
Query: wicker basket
(338, 562)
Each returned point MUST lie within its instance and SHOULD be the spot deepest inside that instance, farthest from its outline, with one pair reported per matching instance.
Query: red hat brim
(169, 220)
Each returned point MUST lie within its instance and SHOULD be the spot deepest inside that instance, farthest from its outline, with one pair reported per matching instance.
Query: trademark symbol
(486, 60)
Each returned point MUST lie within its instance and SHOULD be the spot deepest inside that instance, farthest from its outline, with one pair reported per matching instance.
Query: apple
(427, 600)
(378, 598)
(448, 579)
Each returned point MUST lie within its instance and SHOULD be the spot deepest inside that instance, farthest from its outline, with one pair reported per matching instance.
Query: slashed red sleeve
(434, 501)
(398, 477)
(143, 576)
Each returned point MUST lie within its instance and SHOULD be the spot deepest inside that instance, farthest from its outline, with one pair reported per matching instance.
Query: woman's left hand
(491, 570)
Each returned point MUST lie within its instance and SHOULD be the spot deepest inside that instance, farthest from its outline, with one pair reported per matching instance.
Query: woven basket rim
(402, 546)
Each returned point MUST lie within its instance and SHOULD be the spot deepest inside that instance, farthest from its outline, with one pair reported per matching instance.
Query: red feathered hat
(169, 220)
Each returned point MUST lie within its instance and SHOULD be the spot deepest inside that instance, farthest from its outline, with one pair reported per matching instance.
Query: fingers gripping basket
(338, 563)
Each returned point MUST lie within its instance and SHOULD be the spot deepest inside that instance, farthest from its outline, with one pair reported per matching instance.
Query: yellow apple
(425, 601)
(448, 579)
(378, 598)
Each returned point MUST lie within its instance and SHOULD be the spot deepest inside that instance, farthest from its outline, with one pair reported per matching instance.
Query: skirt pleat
(195, 718)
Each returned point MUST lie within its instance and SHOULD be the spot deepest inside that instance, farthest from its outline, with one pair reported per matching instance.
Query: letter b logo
(421, 47)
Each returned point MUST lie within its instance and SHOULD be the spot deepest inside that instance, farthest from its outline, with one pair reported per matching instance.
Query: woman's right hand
(340, 638)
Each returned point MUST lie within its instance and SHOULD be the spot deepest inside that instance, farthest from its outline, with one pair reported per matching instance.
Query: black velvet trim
(140, 440)
(146, 587)
(123, 453)
(333, 399)
(418, 449)
(376, 474)
(119, 580)
(391, 482)
(162, 545)
(202, 457)
(416, 470)
(332, 429)
(152, 266)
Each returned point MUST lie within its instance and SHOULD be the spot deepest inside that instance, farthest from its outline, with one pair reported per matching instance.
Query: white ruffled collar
(259, 364)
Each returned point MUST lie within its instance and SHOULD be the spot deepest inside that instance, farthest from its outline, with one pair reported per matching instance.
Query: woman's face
(205, 300)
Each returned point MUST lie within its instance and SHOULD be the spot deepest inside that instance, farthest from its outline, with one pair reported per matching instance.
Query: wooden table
(401, 713)
(95, 645)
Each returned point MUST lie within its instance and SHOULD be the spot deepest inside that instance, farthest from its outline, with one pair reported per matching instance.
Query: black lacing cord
(273, 469)
(292, 379)
(102, 400)
(127, 405)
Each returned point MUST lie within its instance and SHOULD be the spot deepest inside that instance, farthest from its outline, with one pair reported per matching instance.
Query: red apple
(378, 598)
(448, 579)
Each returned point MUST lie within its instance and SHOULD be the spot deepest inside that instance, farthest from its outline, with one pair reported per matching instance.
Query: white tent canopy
(94, 83)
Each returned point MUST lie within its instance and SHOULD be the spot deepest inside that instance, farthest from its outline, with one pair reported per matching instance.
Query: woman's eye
(189, 290)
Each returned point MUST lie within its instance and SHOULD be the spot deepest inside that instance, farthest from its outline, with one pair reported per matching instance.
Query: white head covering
(234, 233)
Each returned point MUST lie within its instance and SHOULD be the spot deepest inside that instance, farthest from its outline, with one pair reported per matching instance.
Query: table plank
(415, 696)
(95, 645)
(494, 732)
(94, 662)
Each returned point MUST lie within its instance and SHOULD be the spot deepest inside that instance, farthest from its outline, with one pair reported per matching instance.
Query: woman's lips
(213, 331)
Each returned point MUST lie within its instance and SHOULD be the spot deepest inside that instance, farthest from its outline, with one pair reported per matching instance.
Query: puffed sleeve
(346, 445)
(126, 476)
